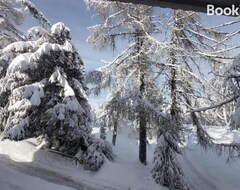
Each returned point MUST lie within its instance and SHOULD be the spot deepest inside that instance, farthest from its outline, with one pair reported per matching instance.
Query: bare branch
(214, 106)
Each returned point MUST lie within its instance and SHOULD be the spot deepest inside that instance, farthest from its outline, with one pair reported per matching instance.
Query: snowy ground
(10, 179)
(23, 167)
(125, 173)
(205, 169)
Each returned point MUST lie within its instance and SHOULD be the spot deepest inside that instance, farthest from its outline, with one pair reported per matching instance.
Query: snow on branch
(32, 9)
(225, 24)
(203, 109)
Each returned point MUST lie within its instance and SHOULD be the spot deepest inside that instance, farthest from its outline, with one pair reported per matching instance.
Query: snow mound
(37, 31)
(20, 63)
(58, 77)
(28, 46)
(44, 49)
(59, 29)
(27, 94)
(18, 131)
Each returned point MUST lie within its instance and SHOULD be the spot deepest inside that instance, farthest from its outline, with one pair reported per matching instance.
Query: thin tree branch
(214, 106)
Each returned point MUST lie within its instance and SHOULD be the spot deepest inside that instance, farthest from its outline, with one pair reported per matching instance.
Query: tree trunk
(141, 112)
(142, 127)
(173, 85)
(173, 75)
(114, 137)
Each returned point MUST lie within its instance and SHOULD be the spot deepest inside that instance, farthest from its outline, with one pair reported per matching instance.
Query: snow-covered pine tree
(44, 94)
(10, 18)
(134, 92)
(167, 171)
(232, 85)
(54, 92)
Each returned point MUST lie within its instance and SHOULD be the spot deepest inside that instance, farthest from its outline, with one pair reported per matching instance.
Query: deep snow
(11, 179)
(203, 169)
(125, 173)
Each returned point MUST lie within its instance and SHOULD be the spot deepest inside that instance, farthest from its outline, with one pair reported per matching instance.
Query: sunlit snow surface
(203, 169)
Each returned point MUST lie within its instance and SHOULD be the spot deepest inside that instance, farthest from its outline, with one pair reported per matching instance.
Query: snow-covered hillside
(30, 167)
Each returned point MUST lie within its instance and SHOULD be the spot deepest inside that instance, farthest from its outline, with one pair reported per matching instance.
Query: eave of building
(194, 5)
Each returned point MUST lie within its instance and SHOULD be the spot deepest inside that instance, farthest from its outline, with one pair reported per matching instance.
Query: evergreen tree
(166, 169)
(42, 93)
(232, 87)
(136, 96)
(38, 101)
(220, 116)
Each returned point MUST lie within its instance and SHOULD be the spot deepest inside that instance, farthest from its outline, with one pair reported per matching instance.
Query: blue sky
(74, 15)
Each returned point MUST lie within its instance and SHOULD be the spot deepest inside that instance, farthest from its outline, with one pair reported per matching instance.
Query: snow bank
(20, 181)
(125, 173)
(203, 169)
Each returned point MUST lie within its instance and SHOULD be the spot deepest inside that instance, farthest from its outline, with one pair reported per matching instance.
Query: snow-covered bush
(93, 158)
(42, 93)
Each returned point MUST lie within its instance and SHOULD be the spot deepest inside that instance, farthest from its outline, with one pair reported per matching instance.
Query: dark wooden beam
(194, 5)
